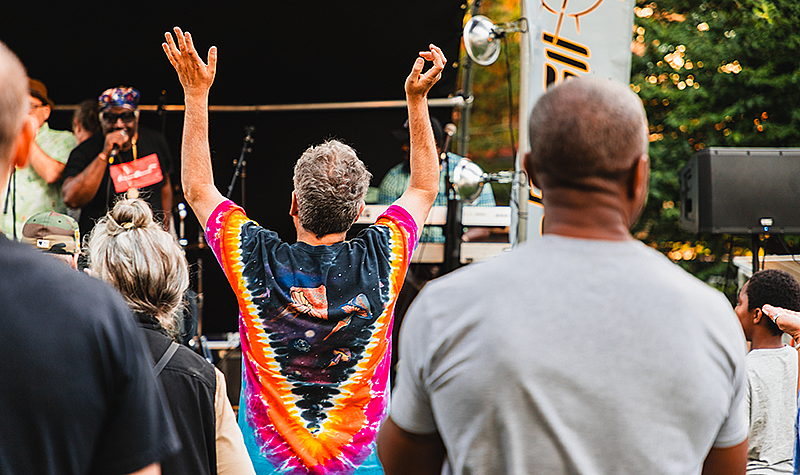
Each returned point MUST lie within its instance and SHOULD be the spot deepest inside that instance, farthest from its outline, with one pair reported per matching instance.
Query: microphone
(113, 154)
(449, 130)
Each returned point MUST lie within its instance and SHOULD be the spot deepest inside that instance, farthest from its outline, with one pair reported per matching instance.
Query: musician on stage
(124, 160)
(395, 182)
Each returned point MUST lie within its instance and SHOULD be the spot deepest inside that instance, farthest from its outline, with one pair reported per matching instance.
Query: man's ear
(757, 314)
(23, 143)
(360, 210)
(640, 179)
(639, 184)
(293, 209)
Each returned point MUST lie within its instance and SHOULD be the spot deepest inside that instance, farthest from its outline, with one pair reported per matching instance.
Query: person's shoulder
(75, 293)
(89, 147)
(184, 361)
(393, 215)
(192, 366)
(66, 135)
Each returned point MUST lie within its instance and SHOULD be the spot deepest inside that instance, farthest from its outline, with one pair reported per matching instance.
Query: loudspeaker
(741, 191)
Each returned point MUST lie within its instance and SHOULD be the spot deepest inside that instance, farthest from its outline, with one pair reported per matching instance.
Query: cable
(510, 99)
(728, 266)
(786, 248)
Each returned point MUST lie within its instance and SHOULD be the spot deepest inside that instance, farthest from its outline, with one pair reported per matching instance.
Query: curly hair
(330, 184)
(774, 287)
(129, 250)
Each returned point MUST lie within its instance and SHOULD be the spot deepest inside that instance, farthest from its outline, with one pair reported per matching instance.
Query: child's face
(744, 314)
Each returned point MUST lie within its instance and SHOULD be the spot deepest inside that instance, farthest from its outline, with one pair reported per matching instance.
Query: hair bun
(133, 213)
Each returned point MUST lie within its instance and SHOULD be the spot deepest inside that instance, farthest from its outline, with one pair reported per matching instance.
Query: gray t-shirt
(772, 400)
(573, 356)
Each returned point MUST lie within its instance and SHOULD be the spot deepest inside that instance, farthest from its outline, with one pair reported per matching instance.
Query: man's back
(77, 393)
(573, 356)
(316, 330)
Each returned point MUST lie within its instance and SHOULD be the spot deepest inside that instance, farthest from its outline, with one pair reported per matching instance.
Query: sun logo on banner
(565, 57)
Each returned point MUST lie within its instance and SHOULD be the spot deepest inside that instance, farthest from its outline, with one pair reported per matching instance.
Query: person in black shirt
(124, 160)
(130, 251)
(77, 392)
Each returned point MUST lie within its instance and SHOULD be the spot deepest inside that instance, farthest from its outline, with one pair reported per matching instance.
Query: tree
(711, 73)
(490, 143)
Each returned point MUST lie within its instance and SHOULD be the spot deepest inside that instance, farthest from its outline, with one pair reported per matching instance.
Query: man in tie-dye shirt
(315, 316)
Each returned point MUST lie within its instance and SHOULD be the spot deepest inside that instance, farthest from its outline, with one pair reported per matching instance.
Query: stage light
(481, 37)
(469, 179)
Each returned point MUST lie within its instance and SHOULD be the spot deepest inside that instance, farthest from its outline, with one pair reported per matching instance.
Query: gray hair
(14, 103)
(330, 184)
(129, 250)
(587, 128)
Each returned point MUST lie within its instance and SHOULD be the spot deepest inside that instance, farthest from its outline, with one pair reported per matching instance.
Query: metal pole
(466, 92)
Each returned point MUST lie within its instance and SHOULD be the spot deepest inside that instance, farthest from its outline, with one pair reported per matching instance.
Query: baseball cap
(52, 232)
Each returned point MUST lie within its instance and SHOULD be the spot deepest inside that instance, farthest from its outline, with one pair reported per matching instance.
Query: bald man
(580, 352)
(77, 390)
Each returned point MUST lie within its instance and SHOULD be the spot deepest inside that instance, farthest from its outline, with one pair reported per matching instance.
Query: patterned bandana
(119, 97)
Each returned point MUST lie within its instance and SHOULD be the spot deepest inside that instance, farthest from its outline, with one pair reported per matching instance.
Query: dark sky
(300, 51)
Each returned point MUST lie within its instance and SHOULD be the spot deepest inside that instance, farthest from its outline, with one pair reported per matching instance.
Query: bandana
(119, 97)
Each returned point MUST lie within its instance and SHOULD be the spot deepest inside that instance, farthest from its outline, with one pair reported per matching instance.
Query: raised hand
(787, 320)
(194, 74)
(417, 83)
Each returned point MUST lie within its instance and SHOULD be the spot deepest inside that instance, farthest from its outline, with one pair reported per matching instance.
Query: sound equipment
(741, 191)
(434, 253)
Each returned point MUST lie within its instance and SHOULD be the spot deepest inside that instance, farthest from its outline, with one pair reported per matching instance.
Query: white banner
(568, 38)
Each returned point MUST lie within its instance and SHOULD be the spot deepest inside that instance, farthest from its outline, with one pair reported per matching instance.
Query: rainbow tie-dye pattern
(315, 325)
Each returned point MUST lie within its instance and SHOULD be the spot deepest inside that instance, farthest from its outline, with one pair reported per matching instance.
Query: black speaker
(741, 191)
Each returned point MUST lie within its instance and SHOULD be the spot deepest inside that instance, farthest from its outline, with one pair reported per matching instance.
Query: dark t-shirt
(148, 142)
(190, 384)
(77, 393)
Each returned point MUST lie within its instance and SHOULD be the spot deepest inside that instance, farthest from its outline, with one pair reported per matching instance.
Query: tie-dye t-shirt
(315, 325)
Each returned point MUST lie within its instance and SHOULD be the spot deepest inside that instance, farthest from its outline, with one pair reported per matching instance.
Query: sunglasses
(111, 118)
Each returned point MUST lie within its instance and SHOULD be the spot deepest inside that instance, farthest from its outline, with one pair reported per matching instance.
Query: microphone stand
(240, 163)
(453, 232)
(161, 102)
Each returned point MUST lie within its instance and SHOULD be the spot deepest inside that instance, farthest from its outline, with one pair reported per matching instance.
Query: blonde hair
(129, 250)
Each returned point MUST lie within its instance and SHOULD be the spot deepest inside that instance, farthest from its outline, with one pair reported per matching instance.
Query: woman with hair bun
(132, 252)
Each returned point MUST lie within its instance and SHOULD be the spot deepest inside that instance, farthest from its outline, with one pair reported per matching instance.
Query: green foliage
(490, 144)
(720, 73)
(711, 74)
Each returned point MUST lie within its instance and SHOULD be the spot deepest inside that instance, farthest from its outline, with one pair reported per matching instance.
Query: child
(772, 372)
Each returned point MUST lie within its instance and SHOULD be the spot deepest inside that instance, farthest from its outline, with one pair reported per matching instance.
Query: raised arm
(196, 78)
(787, 320)
(423, 185)
(46, 166)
